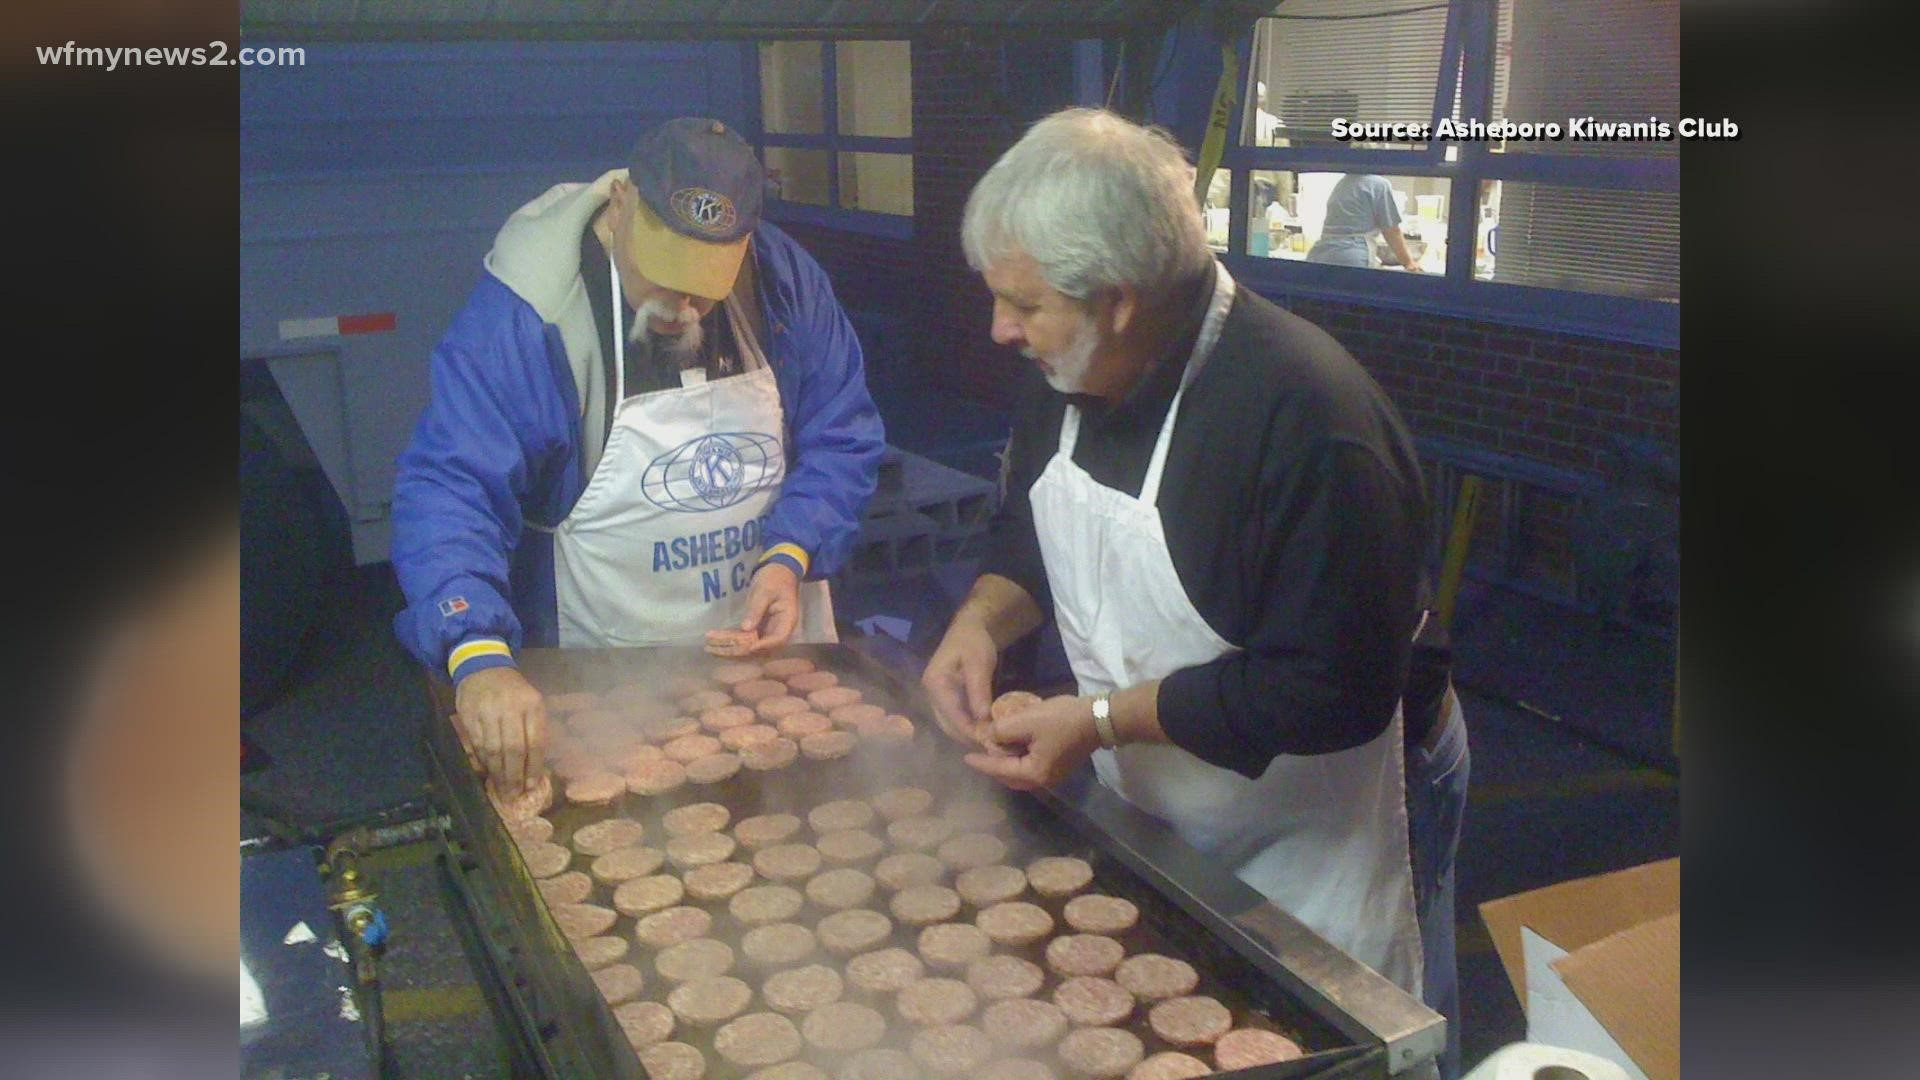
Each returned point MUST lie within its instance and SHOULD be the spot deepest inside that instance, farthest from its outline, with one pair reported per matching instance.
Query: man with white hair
(1224, 514)
(648, 424)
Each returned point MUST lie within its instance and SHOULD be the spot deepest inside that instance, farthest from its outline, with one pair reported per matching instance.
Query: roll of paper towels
(1534, 1061)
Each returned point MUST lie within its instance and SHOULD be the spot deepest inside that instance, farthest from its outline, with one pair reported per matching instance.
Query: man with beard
(1225, 516)
(649, 423)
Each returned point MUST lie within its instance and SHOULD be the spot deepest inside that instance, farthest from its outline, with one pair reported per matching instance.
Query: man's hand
(506, 724)
(773, 606)
(1042, 745)
(959, 678)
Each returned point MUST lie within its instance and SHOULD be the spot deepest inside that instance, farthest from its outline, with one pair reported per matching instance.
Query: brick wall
(1545, 396)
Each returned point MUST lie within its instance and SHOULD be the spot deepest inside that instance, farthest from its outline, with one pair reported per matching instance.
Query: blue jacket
(517, 384)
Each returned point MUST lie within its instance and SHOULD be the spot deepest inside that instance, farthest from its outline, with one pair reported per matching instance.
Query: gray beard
(676, 351)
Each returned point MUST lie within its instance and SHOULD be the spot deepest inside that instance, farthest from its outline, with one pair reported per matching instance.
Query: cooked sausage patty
(1095, 913)
(952, 946)
(713, 769)
(802, 989)
(1190, 1021)
(706, 1002)
(644, 1022)
(670, 926)
(1059, 875)
(545, 859)
(935, 1001)
(763, 904)
(952, 1049)
(1170, 1065)
(717, 881)
(1023, 1023)
(995, 978)
(837, 890)
(840, 814)
(985, 886)
(1102, 1052)
(770, 754)
(777, 945)
(1015, 923)
(596, 789)
(828, 745)
(765, 830)
(974, 849)
(1243, 1048)
(842, 1027)
(757, 1039)
(619, 983)
(627, 863)
(656, 777)
(1153, 977)
(578, 921)
(903, 802)
(884, 971)
(1084, 954)
(845, 933)
(924, 905)
(787, 862)
(598, 952)
(1093, 1002)
(907, 869)
(601, 837)
(700, 849)
(849, 846)
(673, 1061)
(701, 958)
(645, 895)
(572, 887)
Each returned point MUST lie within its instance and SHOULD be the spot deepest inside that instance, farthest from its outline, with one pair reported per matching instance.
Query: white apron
(663, 543)
(1323, 836)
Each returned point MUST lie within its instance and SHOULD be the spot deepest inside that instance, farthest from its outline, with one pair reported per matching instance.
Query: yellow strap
(1225, 97)
(1455, 560)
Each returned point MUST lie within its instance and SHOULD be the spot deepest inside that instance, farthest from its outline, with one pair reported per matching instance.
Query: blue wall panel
(373, 179)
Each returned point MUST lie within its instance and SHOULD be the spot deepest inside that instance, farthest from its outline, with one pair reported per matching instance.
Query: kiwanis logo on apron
(712, 472)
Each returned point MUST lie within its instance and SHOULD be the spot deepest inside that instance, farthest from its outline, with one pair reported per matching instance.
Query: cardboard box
(1596, 963)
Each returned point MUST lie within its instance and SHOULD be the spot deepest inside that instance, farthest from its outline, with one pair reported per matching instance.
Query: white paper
(1556, 1016)
(301, 934)
(253, 1004)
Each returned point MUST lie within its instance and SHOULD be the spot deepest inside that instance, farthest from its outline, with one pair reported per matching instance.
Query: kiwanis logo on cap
(704, 210)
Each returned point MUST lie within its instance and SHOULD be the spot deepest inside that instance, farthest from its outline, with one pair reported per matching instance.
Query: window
(1374, 61)
(1577, 232)
(837, 131)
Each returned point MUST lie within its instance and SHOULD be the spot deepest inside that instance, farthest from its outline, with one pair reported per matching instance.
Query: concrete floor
(1572, 775)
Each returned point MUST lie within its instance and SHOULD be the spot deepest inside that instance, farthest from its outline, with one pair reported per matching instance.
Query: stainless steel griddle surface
(1264, 967)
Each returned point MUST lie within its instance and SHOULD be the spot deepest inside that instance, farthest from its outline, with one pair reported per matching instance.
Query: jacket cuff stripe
(475, 649)
(792, 551)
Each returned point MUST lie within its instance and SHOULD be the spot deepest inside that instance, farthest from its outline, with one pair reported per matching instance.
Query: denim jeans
(1436, 802)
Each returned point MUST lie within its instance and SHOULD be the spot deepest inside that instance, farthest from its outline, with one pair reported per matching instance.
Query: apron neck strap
(619, 335)
(1203, 345)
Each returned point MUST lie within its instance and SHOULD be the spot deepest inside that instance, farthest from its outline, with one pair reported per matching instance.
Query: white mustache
(686, 329)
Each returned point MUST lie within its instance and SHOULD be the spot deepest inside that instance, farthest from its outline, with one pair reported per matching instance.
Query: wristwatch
(1103, 719)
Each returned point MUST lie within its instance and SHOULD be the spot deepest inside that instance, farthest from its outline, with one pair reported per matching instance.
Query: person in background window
(1359, 207)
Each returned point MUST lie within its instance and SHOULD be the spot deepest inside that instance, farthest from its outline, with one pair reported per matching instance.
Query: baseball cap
(700, 189)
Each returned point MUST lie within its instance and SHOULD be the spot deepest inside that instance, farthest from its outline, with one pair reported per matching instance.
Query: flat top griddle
(1266, 967)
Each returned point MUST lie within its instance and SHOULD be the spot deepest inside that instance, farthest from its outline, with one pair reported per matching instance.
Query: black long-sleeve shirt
(1295, 516)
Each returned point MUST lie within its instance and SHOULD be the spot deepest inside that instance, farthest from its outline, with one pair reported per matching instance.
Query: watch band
(1103, 720)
